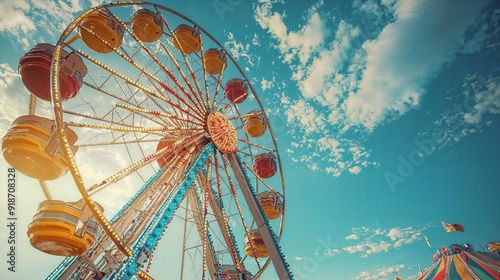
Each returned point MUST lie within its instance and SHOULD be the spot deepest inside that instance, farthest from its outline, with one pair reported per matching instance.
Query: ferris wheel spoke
(110, 94)
(137, 85)
(100, 119)
(198, 102)
(116, 141)
(157, 113)
(140, 164)
(256, 145)
(214, 105)
(217, 77)
(186, 61)
(164, 68)
(133, 96)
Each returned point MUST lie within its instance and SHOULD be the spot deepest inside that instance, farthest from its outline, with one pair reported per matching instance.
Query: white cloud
(266, 84)
(315, 82)
(355, 248)
(474, 110)
(395, 233)
(255, 40)
(381, 273)
(368, 248)
(485, 34)
(352, 81)
(355, 170)
(26, 17)
(239, 50)
(300, 43)
(332, 252)
(406, 56)
(18, 20)
(306, 115)
(369, 6)
(13, 93)
(487, 101)
(352, 237)
(374, 241)
(375, 248)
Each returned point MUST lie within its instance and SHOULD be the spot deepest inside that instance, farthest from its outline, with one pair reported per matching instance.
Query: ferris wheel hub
(222, 132)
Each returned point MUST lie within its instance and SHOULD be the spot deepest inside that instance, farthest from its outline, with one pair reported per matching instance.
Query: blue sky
(386, 114)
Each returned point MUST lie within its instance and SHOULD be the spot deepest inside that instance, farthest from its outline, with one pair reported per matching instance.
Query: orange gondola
(147, 25)
(214, 61)
(270, 203)
(254, 245)
(106, 29)
(187, 39)
(63, 229)
(255, 124)
(32, 146)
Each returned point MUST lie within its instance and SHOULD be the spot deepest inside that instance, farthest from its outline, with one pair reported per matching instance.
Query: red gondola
(35, 68)
(236, 90)
(265, 165)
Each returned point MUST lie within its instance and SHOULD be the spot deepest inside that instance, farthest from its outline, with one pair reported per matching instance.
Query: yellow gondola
(105, 27)
(147, 25)
(271, 204)
(186, 39)
(32, 146)
(254, 245)
(214, 61)
(255, 125)
(54, 228)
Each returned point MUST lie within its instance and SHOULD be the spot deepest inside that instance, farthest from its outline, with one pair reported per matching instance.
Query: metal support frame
(262, 226)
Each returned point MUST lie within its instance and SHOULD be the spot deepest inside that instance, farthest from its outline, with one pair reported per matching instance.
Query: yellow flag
(427, 240)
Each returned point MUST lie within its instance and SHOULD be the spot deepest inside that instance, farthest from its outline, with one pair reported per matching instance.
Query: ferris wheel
(159, 141)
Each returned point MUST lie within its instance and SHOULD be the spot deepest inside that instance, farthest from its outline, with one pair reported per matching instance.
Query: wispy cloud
(27, 17)
(239, 50)
(353, 79)
(19, 23)
(406, 56)
(352, 237)
(368, 248)
(299, 43)
(374, 241)
(474, 109)
(381, 273)
(13, 95)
